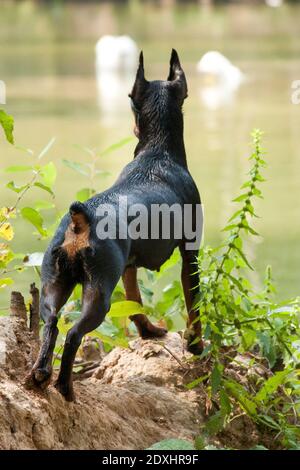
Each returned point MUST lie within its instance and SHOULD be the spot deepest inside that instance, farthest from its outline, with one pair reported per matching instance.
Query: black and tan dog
(157, 175)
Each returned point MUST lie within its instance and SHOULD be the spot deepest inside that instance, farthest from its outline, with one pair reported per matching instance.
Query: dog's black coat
(151, 178)
(158, 174)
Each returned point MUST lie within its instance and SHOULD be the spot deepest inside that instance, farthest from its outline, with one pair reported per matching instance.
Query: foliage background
(48, 65)
(239, 311)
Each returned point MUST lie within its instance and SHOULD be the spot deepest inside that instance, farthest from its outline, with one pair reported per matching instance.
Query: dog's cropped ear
(140, 83)
(177, 75)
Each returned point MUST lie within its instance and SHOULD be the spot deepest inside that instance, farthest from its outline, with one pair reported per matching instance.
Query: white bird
(221, 79)
(219, 68)
(116, 62)
(116, 53)
(274, 3)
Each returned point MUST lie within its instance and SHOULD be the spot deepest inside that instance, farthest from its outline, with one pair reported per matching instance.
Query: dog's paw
(153, 331)
(39, 377)
(42, 375)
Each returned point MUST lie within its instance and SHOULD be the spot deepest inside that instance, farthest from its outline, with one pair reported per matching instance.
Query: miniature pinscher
(158, 174)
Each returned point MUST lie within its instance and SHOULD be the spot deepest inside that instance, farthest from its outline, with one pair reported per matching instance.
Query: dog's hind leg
(53, 297)
(190, 284)
(94, 308)
(145, 328)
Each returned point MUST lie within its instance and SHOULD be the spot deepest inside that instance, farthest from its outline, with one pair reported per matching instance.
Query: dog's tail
(81, 217)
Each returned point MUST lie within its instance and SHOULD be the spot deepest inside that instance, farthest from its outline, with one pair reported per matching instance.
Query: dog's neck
(162, 134)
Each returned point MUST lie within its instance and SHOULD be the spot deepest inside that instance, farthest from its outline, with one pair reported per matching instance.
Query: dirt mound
(123, 412)
(136, 397)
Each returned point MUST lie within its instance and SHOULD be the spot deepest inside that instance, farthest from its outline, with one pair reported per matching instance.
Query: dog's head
(159, 100)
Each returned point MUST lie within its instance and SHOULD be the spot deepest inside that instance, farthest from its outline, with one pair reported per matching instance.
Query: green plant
(90, 169)
(41, 177)
(7, 123)
(236, 317)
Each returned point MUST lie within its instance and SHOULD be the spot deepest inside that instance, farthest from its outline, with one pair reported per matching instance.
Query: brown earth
(136, 397)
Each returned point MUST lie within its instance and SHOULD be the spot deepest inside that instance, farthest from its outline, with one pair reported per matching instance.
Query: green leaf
(247, 227)
(107, 328)
(85, 194)
(43, 205)
(200, 443)
(170, 263)
(17, 189)
(196, 382)
(225, 403)
(240, 198)
(118, 294)
(24, 149)
(111, 341)
(30, 214)
(17, 168)
(125, 309)
(236, 282)
(228, 265)
(102, 173)
(271, 385)
(172, 444)
(44, 187)
(116, 146)
(238, 242)
(246, 184)
(265, 341)
(229, 227)
(260, 178)
(248, 338)
(7, 123)
(257, 192)
(215, 423)
(239, 393)
(78, 167)
(206, 350)
(195, 341)
(244, 258)
(89, 151)
(65, 323)
(235, 215)
(146, 292)
(46, 148)
(270, 422)
(48, 173)
(5, 282)
(216, 377)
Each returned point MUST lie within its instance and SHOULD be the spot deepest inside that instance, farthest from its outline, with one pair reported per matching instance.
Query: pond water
(47, 62)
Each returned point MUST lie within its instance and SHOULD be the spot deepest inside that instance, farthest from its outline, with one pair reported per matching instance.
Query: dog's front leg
(94, 308)
(190, 284)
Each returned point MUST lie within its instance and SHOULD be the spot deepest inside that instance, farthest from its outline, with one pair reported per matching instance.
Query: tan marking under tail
(77, 235)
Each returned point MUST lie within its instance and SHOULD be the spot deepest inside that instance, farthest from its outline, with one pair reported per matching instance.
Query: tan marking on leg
(145, 328)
